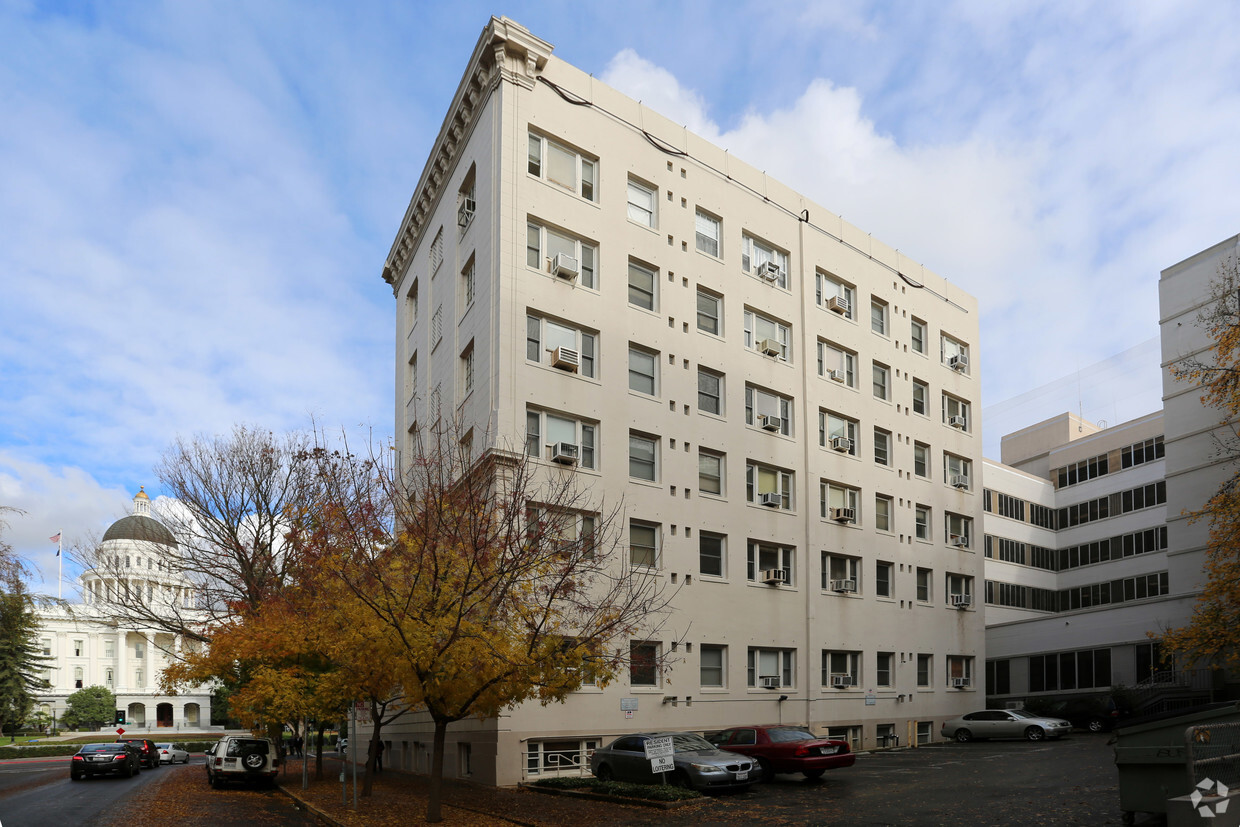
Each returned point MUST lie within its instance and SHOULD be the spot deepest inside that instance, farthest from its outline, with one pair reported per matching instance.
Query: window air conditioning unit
(774, 577)
(565, 266)
(564, 453)
(962, 601)
(841, 681)
(770, 422)
(958, 362)
(769, 271)
(769, 347)
(956, 421)
(770, 682)
(465, 213)
(849, 586)
(565, 358)
(771, 500)
(960, 683)
(836, 375)
(844, 515)
(841, 443)
(960, 481)
(959, 541)
(839, 304)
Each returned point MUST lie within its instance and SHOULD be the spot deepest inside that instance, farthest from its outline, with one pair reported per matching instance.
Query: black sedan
(105, 759)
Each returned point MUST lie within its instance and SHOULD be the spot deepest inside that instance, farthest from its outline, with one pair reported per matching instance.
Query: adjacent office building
(788, 408)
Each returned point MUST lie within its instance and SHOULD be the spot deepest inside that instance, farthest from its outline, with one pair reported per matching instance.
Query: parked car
(1004, 723)
(242, 759)
(698, 763)
(105, 759)
(171, 754)
(342, 745)
(785, 749)
(146, 747)
(1092, 712)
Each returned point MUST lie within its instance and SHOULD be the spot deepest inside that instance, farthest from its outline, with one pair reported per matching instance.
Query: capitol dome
(140, 526)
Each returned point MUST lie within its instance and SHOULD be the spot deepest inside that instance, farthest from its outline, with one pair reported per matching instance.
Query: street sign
(659, 751)
(120, 730)
(628, 704)
(663, 764)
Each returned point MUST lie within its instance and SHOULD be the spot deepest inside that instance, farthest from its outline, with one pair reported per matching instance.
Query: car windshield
(785, 734)
(164, 746)
(1020, 713)
(102, 748)
(238, 747)
(688, 742)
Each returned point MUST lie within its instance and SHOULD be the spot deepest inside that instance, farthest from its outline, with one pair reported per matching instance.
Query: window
(708, 234)
(999, 677)
(710, 391)
(921, 460)
(882, 382)
(556, 163)
(642, 367)
(78, 648)
(924, 585)
(917, 336)
(882, 447)
(467, 370)
(767, 336)
(956, 471)
(878, 316)
(467, 286)
(959, 668)
(840, 669)
(565, 530)
(642, 281)
(545, 431)
(885, 671)
(756, 255)
(884, 584)
(467, 203)
(643, 663)
(710, 472)
(762, 557)
(921, 397)
(837, 500)
(543, 245)
(107, 678)
(836, 363)
(437, 251)
(1141, 452)
(954, 353)
(544, 337)
(139, 679)
(643, 544)
(828, 288)
(882, 512)
(955, 412)
(924, 675)
(839, 433)
(437, 326)
(712, 553)
(641, 203)
(77, 677)
(643, 452)
(922, 520)
(771, 663)
(958, 528)
(709, 313)
(768, 410)
(711, 665)
(556, 757)
(109, 649)
(411, 378)
(768, 486)
(840, 572)
(958, 586)
(139, 649)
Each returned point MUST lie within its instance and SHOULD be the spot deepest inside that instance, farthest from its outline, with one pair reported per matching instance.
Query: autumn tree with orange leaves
(493, 580)
(1213, 633)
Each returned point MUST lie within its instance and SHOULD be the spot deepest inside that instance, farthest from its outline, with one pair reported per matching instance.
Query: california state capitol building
(137, 555)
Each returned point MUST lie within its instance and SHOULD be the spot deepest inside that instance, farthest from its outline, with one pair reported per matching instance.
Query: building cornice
(506, 51)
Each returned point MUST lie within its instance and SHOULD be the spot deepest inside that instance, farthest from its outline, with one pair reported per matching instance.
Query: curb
(613, 799)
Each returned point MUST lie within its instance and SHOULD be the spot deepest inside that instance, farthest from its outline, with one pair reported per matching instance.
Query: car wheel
(1035, 733)
(813, 774)
(679, 779)
(73, 776)
(605, 774)
(964, 736)
(130, 771)
(1096, 725)
(766, 770)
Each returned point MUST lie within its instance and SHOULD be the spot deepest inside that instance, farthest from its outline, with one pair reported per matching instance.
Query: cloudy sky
(196, 199)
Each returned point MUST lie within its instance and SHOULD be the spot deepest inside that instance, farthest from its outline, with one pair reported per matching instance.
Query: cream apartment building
(787, 407)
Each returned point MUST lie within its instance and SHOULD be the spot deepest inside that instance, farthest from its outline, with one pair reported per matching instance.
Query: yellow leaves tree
(1213, 633)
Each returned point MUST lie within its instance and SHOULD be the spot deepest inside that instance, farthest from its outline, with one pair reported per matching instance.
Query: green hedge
(622, 789)
(39, 750)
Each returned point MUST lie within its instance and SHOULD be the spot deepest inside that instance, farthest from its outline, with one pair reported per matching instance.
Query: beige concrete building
(787, 407)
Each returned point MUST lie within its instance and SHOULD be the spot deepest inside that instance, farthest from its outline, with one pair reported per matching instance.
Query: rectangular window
(958, 528)
(710, 472)
(560, 165)
(841, 669)
(437, 251)
(882, 447)
(643, 663)
(711, 554)
(835, 294)
(643, 452)
(642, 285)
(708, 233)
(885, 669)
(437, 326)
(921, 460)
(955, 412)
(768, 411)
(763, 260)
(923, 522)
(921, 397)
(467, 370)
(882, 512)
(878, 316)
(557, 343)
(767, 665)
(768, 336)
(882, 381)
(549, 250)
(109, 649)
(642, 367)
(839, 502)
(837, 364)
(841, 573)
(957, 471)
(924, 585)
(546, 435)
(768, 486)
(710, 391)
(959, 669)
(711, 665)
(762, 558)
(954, 353)
(884, 583)
(643, 544)
(642, 201)
(924, 673)
(78, 648)
(709, 313)
(467, 285)
(917, 336)
(837, 432)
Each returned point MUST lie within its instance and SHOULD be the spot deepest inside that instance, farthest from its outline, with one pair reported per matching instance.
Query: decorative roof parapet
(506, 51)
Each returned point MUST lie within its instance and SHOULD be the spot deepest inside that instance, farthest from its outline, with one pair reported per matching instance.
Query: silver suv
(242, 759)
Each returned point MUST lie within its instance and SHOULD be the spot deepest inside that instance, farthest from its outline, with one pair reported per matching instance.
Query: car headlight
(706, 768)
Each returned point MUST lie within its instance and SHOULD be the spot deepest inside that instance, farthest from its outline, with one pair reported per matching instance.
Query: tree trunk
(318, 752)
(372, 751)
(433, 813)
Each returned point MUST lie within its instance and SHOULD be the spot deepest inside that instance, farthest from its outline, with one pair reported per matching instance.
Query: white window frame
(637, 439)
(882, 381)
(917, 343)
(846, 360)
(757, 473)
(538, 238)
(957, 525)
(468, 286)
(884, 522)
(841, 662)
(540, 330)
(837, 566)
(643, 371)
(755, 252)
(585, 436)
(890, 568)
(643, 203)
(713, 235)
(957, 585)
(713, 312)
(955, 406)
(959, 666)
(707, 458)
(957, 466)
(882, 447)
(783, 661)
(585, 168)
(828, 286)
(950, 346)
(717, 395)
(783, 557)
(649, 551)
(922, 450)
(890, 669)
(759, 327)
(760, 401)
(647, 298)
(921, 397)
(722, 539)
(721, 667)
(832, 424)
(656, 652)
(467, 370)
(436, 252)
(923, 529)
(832, 495)
(879, 322)
(925, 585)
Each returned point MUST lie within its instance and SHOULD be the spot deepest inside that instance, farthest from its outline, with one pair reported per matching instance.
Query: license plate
(101, 758)
(827, 750)
(742, 775)
(230, 762)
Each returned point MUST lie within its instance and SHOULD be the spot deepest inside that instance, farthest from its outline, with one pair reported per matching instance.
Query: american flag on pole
(55, 538)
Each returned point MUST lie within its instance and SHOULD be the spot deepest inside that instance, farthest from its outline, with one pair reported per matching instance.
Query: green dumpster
(1151, 756)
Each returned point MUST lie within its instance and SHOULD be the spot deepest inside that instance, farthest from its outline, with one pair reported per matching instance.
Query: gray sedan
(1004, 723)
(698, 763)
(172, 754)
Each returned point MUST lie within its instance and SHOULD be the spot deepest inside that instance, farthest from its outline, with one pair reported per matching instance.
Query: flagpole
(60, 561)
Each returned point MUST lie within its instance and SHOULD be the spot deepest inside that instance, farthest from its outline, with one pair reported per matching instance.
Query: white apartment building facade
(788, 409)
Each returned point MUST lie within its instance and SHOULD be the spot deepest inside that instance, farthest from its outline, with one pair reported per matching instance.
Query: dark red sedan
(786, 749)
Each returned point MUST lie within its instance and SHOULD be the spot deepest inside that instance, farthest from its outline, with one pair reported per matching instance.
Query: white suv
(244, 759)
